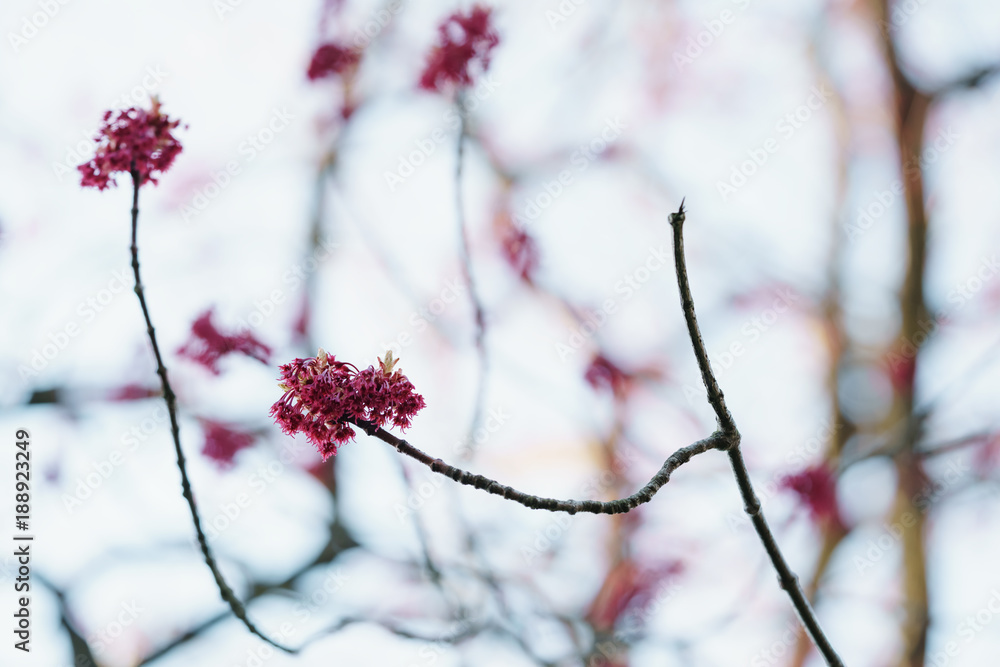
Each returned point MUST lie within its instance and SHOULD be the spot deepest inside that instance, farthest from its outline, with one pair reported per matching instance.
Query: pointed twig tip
(678, 217)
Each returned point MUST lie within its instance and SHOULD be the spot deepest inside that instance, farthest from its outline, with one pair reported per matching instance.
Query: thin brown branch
(751, 504)
(715, 397)
(973, 439)
(727, 439)
(466, 262)
(977, 78)
(832, 533)
(340, 541)
(168, 395)
(912, 109)
(716, 441)
(82, 655)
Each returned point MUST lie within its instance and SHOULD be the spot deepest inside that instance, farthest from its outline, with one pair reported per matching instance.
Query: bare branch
(716, 441)
(466, 261)
(751, 504)
(168, 395)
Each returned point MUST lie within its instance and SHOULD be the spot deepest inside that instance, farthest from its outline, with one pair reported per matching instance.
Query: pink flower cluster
(463, 40)
(207, 344)
(332, 59)
(322, 395)
(131, 138)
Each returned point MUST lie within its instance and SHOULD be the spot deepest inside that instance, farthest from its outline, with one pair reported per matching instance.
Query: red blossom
(222, 442)
(628, 590)
(462, 40)
(521, 252)
(322, 395)
(816, 488)
(604, 373)
(207, 344)
(332, 59)
(131, 138)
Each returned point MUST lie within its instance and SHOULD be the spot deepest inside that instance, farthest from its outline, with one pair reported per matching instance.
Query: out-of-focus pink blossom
(222, 442)
(332, 59)
(463, 40)
(521, 252)
(627, 591)
(207, 344)
(602, 373)
(131, 138)
(816, 488)
(322, 395)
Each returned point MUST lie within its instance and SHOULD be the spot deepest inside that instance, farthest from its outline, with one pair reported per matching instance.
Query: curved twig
(171, 400)
(726, 439)
(717, 440)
